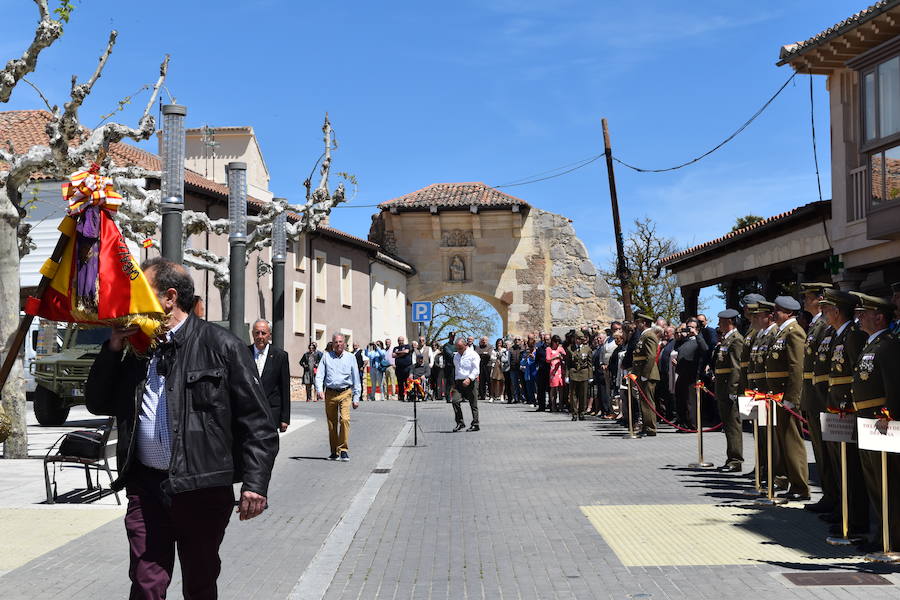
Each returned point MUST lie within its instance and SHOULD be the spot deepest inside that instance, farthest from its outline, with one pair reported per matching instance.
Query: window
(348, 341)
(299, 308)
(300, 254)
(884, 181)
(321, 340)
(346, 282)
(881, 100)
(321, 279)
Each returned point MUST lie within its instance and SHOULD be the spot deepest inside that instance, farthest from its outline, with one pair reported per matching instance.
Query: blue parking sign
(421, 312)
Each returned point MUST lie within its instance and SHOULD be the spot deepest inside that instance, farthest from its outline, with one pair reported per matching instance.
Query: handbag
(82, 444)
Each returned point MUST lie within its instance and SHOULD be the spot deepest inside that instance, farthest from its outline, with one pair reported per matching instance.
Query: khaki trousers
(578, 397)
(337, 412)
(647, 401)
(792, 450)
(734, 437)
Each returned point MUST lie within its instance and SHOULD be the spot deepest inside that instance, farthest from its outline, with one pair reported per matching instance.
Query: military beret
(729, 313)
(815, 287)
(839, 298)
(644, 316)
(787, 303)
(867, 302)
(752, 299)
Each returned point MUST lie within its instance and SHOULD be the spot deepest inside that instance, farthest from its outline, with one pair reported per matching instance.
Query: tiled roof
(745, 232)
(791, 50)
(234, 129)
(454, 195)
(27, 128)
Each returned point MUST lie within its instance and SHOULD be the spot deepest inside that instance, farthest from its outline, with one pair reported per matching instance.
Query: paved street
(532, 506)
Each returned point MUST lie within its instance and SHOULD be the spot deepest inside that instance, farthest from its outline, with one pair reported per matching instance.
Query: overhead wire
(812, 122)
(717, 146)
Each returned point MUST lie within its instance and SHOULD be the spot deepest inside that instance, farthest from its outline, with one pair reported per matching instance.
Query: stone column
(848, 280)
(731, 294)
(691, 302)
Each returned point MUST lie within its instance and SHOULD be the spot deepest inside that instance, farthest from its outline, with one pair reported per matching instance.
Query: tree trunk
(13, 393)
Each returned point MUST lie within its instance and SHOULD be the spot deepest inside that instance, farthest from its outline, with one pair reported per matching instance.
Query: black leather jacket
(218, 415)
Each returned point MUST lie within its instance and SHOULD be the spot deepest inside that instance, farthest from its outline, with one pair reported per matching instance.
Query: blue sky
(487, 90)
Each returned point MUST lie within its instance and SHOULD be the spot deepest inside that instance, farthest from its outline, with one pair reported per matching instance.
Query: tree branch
(48, 31)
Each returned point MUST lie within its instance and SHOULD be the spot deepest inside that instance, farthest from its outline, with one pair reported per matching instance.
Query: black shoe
(345, 456)
(730, 468)
(574, 417)
(648, 433)
(684, 430)
(793, 496)
(474, 428)
(581, 417)
(459, 427)
(819, 507)
(333, 456)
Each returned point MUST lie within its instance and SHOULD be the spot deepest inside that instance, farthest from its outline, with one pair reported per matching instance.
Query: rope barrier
(679, 427)
(777, 399)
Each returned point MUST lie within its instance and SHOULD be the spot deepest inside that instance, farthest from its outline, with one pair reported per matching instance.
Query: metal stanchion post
(770, 499)
(756, 492)
(700, 464)
(415, 420)
(886, 556)
(844, 540)
(630, 435)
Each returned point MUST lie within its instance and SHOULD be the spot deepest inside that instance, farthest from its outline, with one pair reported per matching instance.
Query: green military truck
(60, 377)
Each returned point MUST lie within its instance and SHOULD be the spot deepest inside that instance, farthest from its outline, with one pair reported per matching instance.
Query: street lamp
(173, 142)
(237, 241)
(279, 257)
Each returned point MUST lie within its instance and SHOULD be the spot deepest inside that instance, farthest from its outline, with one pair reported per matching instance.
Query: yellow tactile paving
(26, 533)
(703, 534)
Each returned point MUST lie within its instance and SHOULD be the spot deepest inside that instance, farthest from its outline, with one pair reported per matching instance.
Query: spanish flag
(97, 280)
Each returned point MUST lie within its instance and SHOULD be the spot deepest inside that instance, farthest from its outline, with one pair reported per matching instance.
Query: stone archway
(473, 239)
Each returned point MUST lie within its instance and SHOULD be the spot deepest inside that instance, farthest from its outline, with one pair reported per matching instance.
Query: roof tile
(454, 195)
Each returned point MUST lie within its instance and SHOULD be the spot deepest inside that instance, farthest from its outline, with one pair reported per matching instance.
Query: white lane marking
(320, 572)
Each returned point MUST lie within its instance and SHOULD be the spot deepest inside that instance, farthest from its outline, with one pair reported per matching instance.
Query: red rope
(680, 428)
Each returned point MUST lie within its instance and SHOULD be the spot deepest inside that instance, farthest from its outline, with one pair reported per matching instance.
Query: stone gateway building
(469, 238)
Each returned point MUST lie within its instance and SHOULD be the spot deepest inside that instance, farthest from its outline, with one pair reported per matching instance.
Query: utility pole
(279, 257)
(621, 266)
(172, 205)
(237, 240)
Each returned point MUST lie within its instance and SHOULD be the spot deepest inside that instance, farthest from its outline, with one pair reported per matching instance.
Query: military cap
(867, 302)
(787, 303)
(752, 299)
(729, 313)
(763, 306)
(644, 316)
(815, 287)
(839, 298)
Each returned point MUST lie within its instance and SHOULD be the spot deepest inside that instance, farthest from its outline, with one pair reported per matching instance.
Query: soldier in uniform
(843, 350)
(812, 401)
(728, 386)
(876, 387)
(579, 369)
(895, 298)
(765, 328)
(784, 379)
(646, 371)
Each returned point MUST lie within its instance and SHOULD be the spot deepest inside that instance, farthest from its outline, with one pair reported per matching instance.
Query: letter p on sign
(421, 312)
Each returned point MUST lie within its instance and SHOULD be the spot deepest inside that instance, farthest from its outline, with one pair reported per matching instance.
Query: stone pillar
(848, 280)
(731, 294)
(691, 298)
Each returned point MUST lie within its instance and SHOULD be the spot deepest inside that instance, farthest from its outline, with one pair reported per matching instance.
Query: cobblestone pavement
(532, 506)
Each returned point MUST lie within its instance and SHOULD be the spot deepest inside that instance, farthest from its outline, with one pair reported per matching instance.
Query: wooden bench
(106, 449)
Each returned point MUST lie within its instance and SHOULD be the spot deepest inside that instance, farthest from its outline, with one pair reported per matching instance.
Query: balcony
(883, 221)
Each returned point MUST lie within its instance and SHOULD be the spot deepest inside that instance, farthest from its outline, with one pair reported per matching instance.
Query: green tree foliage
(463, 314)
(653, 290)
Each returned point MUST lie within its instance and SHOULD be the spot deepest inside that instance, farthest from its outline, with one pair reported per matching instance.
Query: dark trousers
(665, 402)
(507, 386)
(528, 385)
(871, 468)
(683, 410)
(467, 393)
(647, 399)
(857, 496)
(734, 436)
(484, 381)
(448, 382)
(193, 523)
(792, 451)
(402, 376)
(541, 385)
(602, 404)
(578, 392)
(515, 385)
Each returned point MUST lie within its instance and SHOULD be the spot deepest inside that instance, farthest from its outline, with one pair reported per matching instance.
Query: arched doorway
(473, 239)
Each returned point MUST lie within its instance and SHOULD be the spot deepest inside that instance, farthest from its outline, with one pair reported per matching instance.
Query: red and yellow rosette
(90, 188)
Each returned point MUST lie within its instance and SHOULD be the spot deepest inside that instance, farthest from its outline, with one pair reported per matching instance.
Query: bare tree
(462, 314)
(654, 291)
(71, 147)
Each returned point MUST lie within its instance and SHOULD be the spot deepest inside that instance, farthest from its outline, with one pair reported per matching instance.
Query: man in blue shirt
(337, 383)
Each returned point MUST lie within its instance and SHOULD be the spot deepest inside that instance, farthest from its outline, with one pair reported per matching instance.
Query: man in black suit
(274, 374)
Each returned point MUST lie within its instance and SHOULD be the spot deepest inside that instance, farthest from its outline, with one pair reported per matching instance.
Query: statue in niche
(457, 269)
